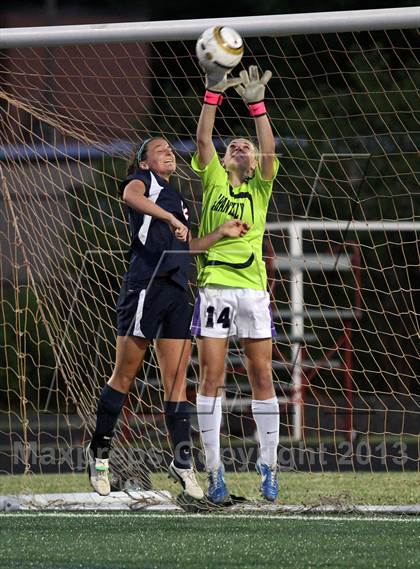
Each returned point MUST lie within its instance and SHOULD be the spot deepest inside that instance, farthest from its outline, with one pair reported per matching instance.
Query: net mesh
(341, 249)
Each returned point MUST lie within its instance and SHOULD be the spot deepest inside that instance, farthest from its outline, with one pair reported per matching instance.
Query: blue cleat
(217, 491)
(269, 484)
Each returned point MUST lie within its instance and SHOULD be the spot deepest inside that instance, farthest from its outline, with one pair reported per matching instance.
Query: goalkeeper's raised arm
(216, 84)
(252, 91)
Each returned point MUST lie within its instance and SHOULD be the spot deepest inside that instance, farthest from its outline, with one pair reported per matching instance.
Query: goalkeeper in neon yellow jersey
(232, 298)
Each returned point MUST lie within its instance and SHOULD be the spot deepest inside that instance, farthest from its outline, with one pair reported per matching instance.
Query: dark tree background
(185, 9)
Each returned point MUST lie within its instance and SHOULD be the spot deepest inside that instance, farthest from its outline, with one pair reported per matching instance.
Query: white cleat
(186, 476)
(98, 470)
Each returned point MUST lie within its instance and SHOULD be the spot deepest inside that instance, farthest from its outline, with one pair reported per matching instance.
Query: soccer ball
(219, 47)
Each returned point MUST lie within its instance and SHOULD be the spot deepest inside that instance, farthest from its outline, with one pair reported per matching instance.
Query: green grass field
(295, 488)
(186, 541)
(158, 540)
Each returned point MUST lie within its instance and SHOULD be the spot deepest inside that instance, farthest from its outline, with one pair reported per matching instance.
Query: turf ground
(171, 541)
(147, 540)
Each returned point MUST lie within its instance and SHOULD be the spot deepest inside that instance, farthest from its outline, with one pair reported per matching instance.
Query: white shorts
(223, 312)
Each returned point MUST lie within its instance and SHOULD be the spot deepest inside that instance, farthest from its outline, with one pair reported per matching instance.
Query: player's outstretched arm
(231, 228)
(134, 197)
(216, 84)
(205, 146)
(252, 91)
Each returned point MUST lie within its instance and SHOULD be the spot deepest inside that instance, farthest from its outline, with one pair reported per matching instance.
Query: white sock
(266, 414)
(209, 413)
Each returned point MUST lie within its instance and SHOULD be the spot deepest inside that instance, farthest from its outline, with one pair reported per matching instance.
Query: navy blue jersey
(151, 237)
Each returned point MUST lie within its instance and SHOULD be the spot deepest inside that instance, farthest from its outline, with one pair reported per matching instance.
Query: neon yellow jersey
(235, 262)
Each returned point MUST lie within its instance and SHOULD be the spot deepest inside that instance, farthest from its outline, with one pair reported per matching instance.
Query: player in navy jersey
(153, 305)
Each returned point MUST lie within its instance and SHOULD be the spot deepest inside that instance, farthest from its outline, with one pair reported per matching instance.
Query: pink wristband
(257, 109)
(213, 98)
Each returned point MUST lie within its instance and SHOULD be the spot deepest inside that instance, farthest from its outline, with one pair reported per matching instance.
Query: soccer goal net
(341, 244)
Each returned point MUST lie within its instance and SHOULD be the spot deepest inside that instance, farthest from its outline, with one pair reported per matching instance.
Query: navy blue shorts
(161, 310)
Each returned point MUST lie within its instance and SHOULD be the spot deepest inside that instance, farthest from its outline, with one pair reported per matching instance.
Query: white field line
(289, 517)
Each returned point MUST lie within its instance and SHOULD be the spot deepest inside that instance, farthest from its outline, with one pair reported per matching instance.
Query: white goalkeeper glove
(216, 84)
(252, 89)
(217, 80)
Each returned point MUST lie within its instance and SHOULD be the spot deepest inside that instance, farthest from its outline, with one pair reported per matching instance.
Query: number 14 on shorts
(224, 312)
(223, 318)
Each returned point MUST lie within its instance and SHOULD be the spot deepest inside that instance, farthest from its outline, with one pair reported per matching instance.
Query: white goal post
(271, 25)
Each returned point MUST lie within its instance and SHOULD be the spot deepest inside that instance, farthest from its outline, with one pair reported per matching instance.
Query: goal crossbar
(169, 30)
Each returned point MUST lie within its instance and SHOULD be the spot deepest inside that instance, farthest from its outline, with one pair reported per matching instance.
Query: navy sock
(177, 417)
(110, 404)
